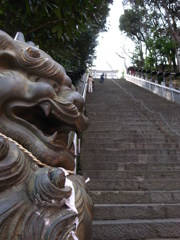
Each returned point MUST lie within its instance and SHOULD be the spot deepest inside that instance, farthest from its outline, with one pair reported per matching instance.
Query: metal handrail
(82, 89)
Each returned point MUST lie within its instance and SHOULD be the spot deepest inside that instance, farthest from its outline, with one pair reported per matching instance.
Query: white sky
(111, 42)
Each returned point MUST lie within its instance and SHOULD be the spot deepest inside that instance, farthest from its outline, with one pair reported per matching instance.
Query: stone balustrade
(168, 79)
(162, 90)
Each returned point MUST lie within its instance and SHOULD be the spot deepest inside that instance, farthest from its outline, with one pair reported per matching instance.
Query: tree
(159, 23)
(134, 25)
(58, 26)
(169, 12)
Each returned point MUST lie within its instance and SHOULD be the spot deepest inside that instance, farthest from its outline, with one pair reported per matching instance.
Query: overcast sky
(111, 42)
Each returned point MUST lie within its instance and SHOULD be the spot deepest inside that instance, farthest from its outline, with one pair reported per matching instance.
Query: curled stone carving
(39, 107)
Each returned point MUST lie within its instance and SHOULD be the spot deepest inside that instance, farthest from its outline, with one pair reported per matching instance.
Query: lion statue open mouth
(39, 107)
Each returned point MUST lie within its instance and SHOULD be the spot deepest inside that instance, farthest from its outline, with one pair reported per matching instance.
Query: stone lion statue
(39, 107)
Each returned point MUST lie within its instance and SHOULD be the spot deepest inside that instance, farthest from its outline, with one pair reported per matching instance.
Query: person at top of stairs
(90, 84)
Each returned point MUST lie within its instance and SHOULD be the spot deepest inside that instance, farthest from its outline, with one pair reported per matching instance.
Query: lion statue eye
(52, 83)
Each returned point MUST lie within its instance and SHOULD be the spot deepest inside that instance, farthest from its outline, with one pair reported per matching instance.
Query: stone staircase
(131, 153)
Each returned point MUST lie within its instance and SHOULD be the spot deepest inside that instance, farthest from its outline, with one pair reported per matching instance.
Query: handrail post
(77, 141)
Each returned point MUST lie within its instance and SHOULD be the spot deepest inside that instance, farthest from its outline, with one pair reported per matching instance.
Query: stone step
(135, 185)
(129, 151)
(121, 130)
(108, 112)
(140, 175)
(162, 238)
(120, 157)
(136, 110)
(129, 120)
(100, 111)
(136, 229)
(100, 102)
(122, 122)
(117, 115)
(136, 211)
(120, 127)
(127, 133)
(130, 197)
(128, 116)
(128, 139)
(145, 124)
(126, 104)
(163, 166)
(113, 104)
(130, 145)
(173, 124)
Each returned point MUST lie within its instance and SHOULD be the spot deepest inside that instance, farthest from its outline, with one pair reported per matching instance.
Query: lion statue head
(39, 105)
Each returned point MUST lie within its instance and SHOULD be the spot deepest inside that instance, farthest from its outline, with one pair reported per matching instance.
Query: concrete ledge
(170, 94)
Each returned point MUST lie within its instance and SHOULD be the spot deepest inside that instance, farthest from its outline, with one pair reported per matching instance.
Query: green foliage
(130, 23)
(66, 29)
(153, 23)
(137, 58)
(149, 63)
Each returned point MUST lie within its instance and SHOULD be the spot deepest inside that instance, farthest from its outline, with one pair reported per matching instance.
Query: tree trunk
(178, 59)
